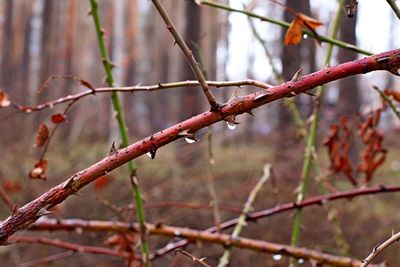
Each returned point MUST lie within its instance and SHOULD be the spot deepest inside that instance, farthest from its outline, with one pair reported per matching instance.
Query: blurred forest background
(41, 38)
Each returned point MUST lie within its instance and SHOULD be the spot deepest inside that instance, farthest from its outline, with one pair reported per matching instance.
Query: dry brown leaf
(41, 135)
(58, 118)
(293, 33)
(308, 22)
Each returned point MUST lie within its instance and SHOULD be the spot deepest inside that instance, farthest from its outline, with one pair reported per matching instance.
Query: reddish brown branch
(45, 260)
(29, 213)
(71, 246)
(320, 200)
(203, 236)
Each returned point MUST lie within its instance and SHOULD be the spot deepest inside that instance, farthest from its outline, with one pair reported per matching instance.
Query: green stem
(394, 6)
(389, 101)
(242, 221)
(140, 214)
(284, 24)
(310, 149)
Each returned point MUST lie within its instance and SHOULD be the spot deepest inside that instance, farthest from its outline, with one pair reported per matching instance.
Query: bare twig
(242, 221)
(193, 258)
(188, 54)
(217, 238)
(45, 260)
(71, 246)
(254, 216)
(379, 248)
(138, 88)
(29, 213)
(388, 101)
(393, 5)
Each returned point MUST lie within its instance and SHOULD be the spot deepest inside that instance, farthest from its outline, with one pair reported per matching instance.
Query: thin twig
(193, 258)
(389, 101)
(242, 221)
(45, 260)
(71, 246)
(137, 197)
(188, 54)
(284, 24)
(378, 249)
(393, 5)
(138, 88)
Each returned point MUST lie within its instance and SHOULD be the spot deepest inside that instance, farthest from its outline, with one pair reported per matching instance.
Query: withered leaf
(393, 93)
(41, 135)
(293, 33)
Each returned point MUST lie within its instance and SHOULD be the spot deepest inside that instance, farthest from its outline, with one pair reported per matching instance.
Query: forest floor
(173, 180)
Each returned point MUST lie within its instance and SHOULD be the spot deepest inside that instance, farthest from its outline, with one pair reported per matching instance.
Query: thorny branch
(320, 200)
(217, 238)
(133, 89)
(188, 54)
(29, 213)
(379, 248)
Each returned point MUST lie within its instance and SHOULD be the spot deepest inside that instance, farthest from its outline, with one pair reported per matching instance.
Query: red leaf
(42, 135)
(39, 171)
(101, 182)
(4, 99)
(58, 118)
(11, 186)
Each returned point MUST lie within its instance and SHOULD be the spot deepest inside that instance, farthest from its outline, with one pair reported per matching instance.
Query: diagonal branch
(188, 54)
(378, 249)
(393, 5)
(29, 213)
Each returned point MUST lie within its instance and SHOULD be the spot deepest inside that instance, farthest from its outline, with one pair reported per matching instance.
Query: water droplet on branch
(300, 261)
(149, 154)
(231, 126)
(189, 140)
(305, 36)
(277, 257)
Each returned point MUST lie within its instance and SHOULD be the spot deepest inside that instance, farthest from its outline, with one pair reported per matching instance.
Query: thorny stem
(284, 24)
(320, 200)
(30, 212)
(140, 214)
(188, 54)
(378, 249)
(393, 5)
(310, 149)
(138, 88)
(242, 221)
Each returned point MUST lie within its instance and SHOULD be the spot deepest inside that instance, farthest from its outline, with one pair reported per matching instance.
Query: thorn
(68, 183)
(310, 93)
(231, 119)
(233, 96)
(297, 75)
(14, 210)
(112, 150)
(263, 94)
(250, 112)
(186, 133)
(43, 212)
